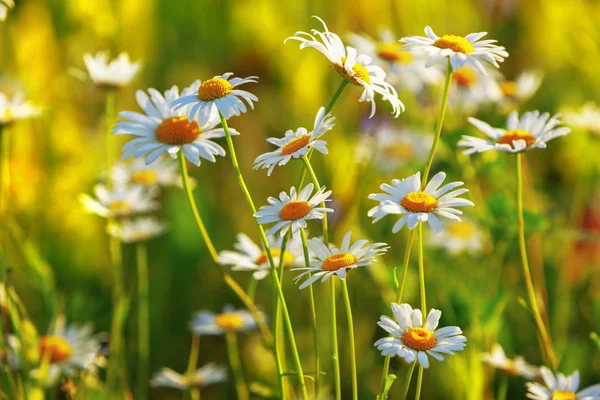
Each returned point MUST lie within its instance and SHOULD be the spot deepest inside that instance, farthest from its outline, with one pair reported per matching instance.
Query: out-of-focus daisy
(117, 73)
(5, 6)
(515, 367)
(413, 340)
(218, 92)
(355, 68)
(518, 91)
(205, 376)
(560, 387)
(15, 109)
(12, 348)
(403, 67)
(532, 131)
(119, 202)
(137, 230)
(248, 256)
(338, 261)
(587, 118)
(163, 130)
(397, 147)
(230, 320)
(459, 236)
(296, 144)
(293, 210)
(162, 172)
(461, 51)
(417, 204)
(469, 89)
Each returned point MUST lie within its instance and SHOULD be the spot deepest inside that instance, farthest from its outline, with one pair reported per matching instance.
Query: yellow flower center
(517, 134)
(288, 258)
(465, 76)
(462, 230)
(295, 145)
(214, 88)
(419, 339)
(509, 88)
(120, 207)
(294, 210)
(563, 395)
(359, 72)
(419, 202)
(455, 43)
(144, 177)
(56, 348)
(229, 321)
(177, 131)
(390, 51)
(339, 261)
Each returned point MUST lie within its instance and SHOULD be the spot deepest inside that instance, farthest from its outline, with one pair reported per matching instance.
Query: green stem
(351, 336)
(419, 382)
(143, 321)
(314, 316)
(265, 242)
(440, 123)
(119, 316)
(423, 300)
(315, 180)
(252, 288)
(277, 333)
(192, 364)
(547, 347)
(109, 118)
(233, 285)
(502, 388)
(409, 375)
(236, 366)
(334, 344)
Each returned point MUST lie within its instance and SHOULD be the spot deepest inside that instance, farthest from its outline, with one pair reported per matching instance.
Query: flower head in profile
(470, 90)
(532, 131)
(5, 7)
(587, 118)
(162, 172)
(458, 237)
(205, 376)
(514, 367)
(560, 387)
(416, 204)
(15, 109)
(119, 202)
(162, 130)
(296, 144)
(218, 93)
(413, 340)
(293, 210)
(459, 50)
(396, 147)
(355, 68)
(230, 320)
(140, 229)
(522, 88)
(117, 73)
(248, 256)
(329, 261)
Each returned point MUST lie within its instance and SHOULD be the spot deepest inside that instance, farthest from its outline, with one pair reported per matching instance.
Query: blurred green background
(60, 258)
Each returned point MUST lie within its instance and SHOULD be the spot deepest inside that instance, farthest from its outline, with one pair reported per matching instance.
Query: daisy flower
(138, 230)
(417, 204)
(403, 67)
(163, 130)
(205, 376)
(459, 236)
(230, 320)
(588, 118)
(560, 387)
(115, 74)
(293, 210)
(396, 147)
(11, 350)
(218, 93)
(297, 144)
(461, 51)
(14, 109)
(514, 367)
(162, 172)
(248, 256)
(532, 130)
(412, 340)
(119, 202)
(469, 89)
(355, 68)
(338, 261)
(5, 6)
(521, 89)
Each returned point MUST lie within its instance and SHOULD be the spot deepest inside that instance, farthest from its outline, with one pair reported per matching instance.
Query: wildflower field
(299, 200)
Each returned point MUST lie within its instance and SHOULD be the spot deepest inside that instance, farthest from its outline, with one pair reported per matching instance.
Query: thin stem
(236, 366)
(334, 344)
(423, 300)
(313, 315)
(409, 375)
(440, 123)
(233, 285)
(252, 288)
(547, 349)
(351, 336)
(419, 383)
(502, 388)
(277, 333)
(265, 242)
(192, 364)
(109, 118)
(315, 180)
(143, 321)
